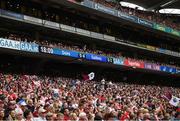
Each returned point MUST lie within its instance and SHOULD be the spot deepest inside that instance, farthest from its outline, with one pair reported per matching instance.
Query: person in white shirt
(19, 115)
(42, 115)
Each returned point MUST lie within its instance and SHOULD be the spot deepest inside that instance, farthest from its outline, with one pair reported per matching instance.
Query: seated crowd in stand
(151, 16)
(87, 50)
(70, 18)
(42, 98)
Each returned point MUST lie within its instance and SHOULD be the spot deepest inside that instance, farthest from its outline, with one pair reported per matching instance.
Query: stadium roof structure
(156, 4)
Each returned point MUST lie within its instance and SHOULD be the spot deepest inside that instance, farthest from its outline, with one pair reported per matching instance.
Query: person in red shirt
(66, 115)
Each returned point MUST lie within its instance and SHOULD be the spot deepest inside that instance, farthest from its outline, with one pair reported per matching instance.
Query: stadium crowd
(33, 97)
(42, 98)
(80, 21)
(148, 15)
(85, 49)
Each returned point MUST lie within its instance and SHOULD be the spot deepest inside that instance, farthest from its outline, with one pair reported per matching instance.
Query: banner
(33, 19)
(152, 66)
(110, 59)
(172, 70)
(168, 52)
(105, 9)
(107, 37)
(44, 49)
(133, 63)
(151, 47)
(96, 57)
(159, 27)
(10, 44)
(148, 66)
(51, 24)
(141, 45)
(168, 69)
(96, 35)
(145, 22)
(161, 50)
(168, 29)
(30, 47)
(127, 17)
(68, 53)
(172, 31)
(88, 3)
(82, 31)
(118, 61)
(120, 40)
(82, 55)
(175, 32)
(164, 68)
(175, 53)
(11, 14)
(67, 28)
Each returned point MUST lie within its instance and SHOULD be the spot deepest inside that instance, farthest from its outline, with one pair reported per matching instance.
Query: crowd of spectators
(148, 15)
(42, 98)
(79, 20)
(85, 49)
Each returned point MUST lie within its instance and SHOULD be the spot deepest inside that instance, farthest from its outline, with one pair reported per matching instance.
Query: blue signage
(88, 3)
(10, 44)
(173, 70)
(105, 9)
(161, 50)
(11, 14)
(66, 53)
(82, 55)
(30, 47)
(164, 68)
(44, 49)
(168, 69)
(96, 57)
(145, 22)
(127, 17)
(118, 61)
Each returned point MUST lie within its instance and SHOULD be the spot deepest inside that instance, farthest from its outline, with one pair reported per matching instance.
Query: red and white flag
(88, 77)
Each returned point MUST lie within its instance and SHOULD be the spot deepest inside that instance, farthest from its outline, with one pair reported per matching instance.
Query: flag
(22, 102)
(91, 76)
(174, 101)
(88, 77)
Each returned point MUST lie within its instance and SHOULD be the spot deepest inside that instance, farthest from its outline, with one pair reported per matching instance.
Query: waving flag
(90, 76)
(174, 101)
(22, 102)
